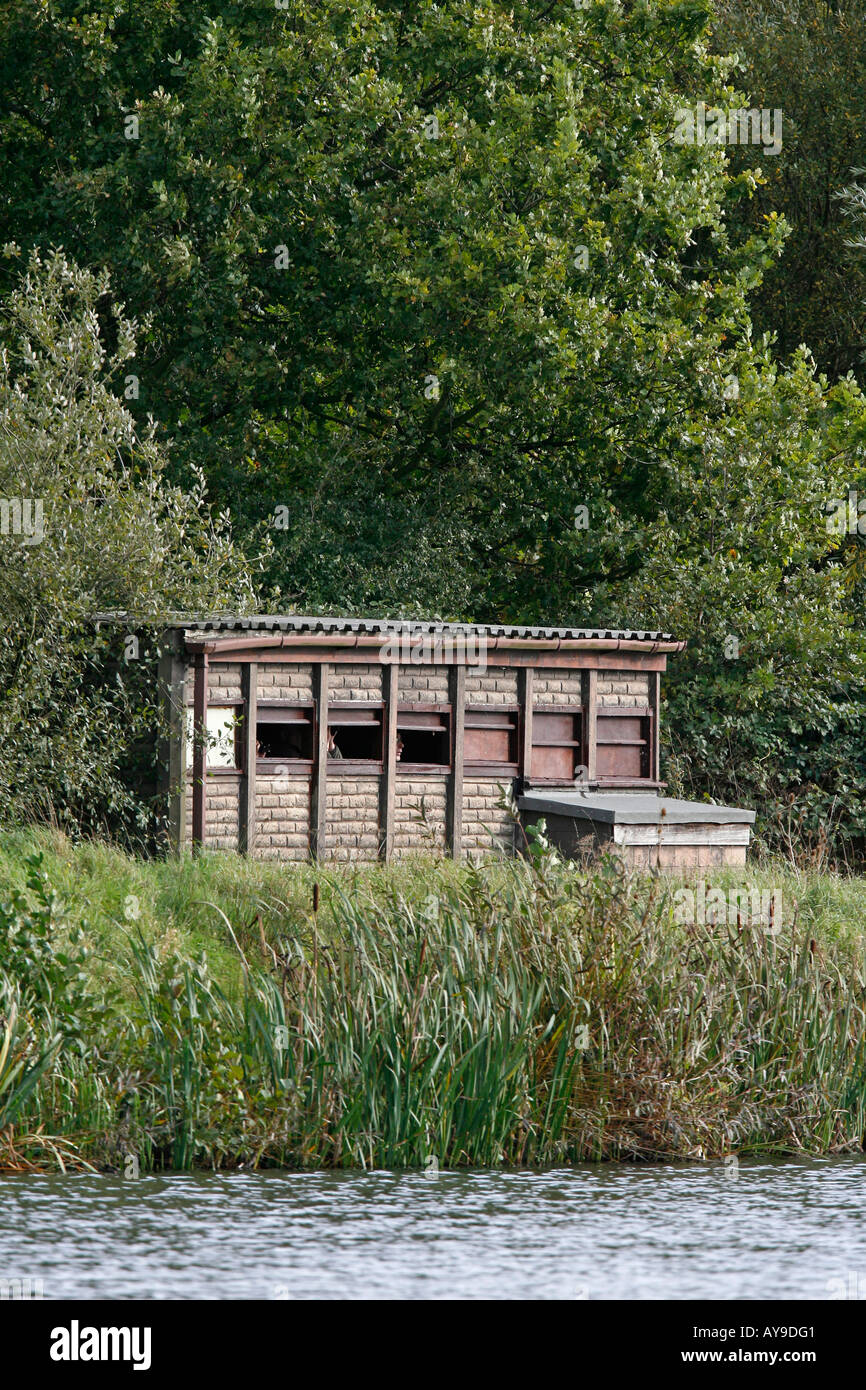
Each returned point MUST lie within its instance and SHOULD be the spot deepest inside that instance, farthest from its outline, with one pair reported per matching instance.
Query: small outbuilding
(351, 739)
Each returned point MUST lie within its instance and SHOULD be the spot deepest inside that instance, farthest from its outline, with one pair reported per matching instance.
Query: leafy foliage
(429, 278)
(35, 955)
(765, 707)
(417, 287)
(515, 1013)
(808, 59)
(112, 534)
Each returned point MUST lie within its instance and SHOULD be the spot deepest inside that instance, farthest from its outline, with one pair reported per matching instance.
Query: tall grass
(500, 1014)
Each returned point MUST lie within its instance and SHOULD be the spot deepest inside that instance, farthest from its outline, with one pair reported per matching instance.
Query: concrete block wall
(223, 683)
(495, 686)
(411, 793)
(223, 688)
(554, 687)
(426, 684)
(284, 680)
(282, 817)
(420, 684)
(486, 825)
(624, 688)
(222, 811)
(352, 816)
(618, 688)
(282, 803)
(354, 683)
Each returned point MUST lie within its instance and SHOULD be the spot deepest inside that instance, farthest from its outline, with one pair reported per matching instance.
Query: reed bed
(508, 1013)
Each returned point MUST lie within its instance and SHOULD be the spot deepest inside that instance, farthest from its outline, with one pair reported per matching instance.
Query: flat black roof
(630, 808)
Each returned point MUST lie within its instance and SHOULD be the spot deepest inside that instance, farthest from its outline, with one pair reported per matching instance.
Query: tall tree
(88, 522)
(434, 288)
(806, 58)
(756, 560)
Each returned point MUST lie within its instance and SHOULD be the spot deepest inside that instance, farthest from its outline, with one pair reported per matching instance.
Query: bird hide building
(295, 737)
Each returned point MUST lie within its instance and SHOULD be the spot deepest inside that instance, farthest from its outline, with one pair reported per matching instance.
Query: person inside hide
(334, 750)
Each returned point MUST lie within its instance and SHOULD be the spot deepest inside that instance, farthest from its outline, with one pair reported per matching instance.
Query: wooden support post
(454, 809)
(319, 788)
(525, 697)
(388, 783)
(590, 717)
(199, 755)
(172, 759)
(654, 698)
(247, 796)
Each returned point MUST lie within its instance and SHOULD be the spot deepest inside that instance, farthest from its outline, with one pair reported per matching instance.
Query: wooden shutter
(491, 737)
(623, 745)
(556, 745)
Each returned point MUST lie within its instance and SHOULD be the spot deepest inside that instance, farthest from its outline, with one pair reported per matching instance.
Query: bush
(106, 531)
(44, 958)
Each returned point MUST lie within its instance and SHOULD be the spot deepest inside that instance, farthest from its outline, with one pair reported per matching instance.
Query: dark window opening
(285, 734)
(424, 738)
(355, 734)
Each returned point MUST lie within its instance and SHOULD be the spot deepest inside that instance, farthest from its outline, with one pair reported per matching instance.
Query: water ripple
(783, 1230)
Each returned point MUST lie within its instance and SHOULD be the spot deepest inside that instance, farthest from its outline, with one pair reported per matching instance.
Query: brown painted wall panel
(619, 730)
(623, 746)
(553, 764)
(552, 726)
(555, 660)
(487, 745)
(619, 760)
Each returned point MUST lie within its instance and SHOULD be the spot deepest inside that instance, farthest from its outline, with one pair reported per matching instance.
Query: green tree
(808, 59)
(420, 281)
(753, 561)
(89, 523)
(437, 293)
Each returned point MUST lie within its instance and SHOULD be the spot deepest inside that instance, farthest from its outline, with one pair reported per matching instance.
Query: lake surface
(792, 1229)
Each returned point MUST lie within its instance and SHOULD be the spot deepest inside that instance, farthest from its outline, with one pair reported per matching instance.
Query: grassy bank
(223, 1012)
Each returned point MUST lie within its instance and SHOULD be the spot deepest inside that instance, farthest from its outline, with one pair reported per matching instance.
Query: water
(783, 1230)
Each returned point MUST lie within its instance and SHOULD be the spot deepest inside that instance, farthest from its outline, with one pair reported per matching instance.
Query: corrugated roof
(270, 622)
